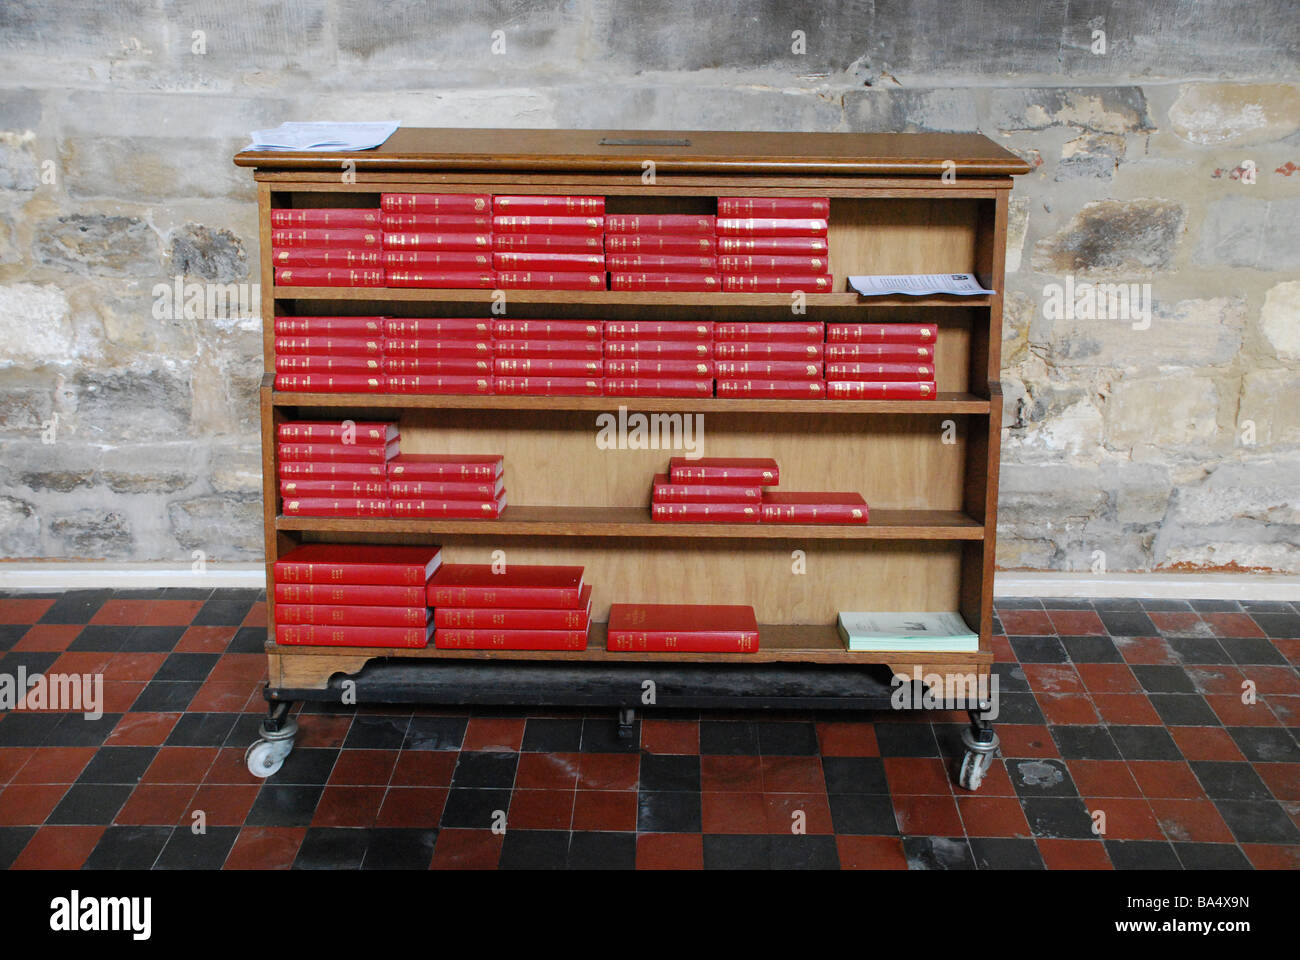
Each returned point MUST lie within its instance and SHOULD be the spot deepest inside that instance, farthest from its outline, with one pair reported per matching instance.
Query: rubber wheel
(264, 759)
(973, 766)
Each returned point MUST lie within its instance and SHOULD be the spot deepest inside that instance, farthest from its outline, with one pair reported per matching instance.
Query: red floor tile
(229, 767)
(1286, 709)
(322, 730)
(256, 616)
(928, 816)
(1270, 681)
(169, 613)
(265, 848)
(82, 661)
(996, 781)
(911, 776)
(1103, 778)
(871, 853)
(240, 666)
(723, 773)
(55, 765)
(162, 804)
(206, 640)
(1192, 820)
(992, 817)
(1229, 624)
(134, 667)
(670, 736)
(180, 765)
(669, 851)
(494, 733)
(1077, 623)
(1066, 708)
(58, 848)
(840, 738)
(20, 610)
(1145, 650)
(1233, 713)
(609, 771)
(792, 775)
(1002, 650)
(223, 804)
(543, 809)
(1224, 680)
(547, 771)
(1126, 818)
(363, 768)
(605, 810)
(1282, 779)
(119, 697)
(467, 850)
(12, 759)
(1178, 623)
(1026, 623)
(424, 768)
(125, 612)
(1074, 854)
(412, 807)
(222, 697)
(1126, 709)
(1165, 779)
(733, 813)
(1108, 678)
(1205, 743)
(28, 804)
(48, 637)
(348, 807)
(1052, 678)
(1268, 856)
(802, 814)
(1288, 648)
(1025, 740)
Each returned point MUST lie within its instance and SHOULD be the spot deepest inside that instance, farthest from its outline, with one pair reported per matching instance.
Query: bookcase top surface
(673, 151)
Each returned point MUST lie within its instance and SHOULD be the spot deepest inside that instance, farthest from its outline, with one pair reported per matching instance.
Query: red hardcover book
(325, 452)
(336, 470)
(707, 282)
(547, 329)
(547, 243)
(667, 244)
(552, 280)
(328, 383)
(545, 223)
(771, 227)
(436, 223)
(539, 206)
(889, 390)
(446, 489)
(437, 383)
(315, 635)
(680, 330)
(772, 283)
(677, 224)
(451, 261)
(358, 563)
(439, 349)
(659, 387)
(783, 207)
(450, 509)
(564, 262)
(294, 363)
(657, 350)
(753, 350)
(772, 389)
(763, 332)
(741, 471)
(364, 328)
(445, 467)
(548, 367)
(557, 349)
(548, 386)
(774, 246)
(660, 263)
(452, 366)
(334, 507)
(344, 615)
(664, 490)
(768, 370)
(331, 346)
(320, 217)
(333, 431)
(327, 277)
(447, 638)
(691, 369)
(879, 371)
(704, 512)
(436, 241)
(682, 628)
(359, 489)
(880, 352)
(911, 333)
(780, 266)
(518, 586)
(343, 258)
(442, 279)
(439, 328)
(368, 595)
(444, 203)
(495, 618)
(798, 507)
(328, 237)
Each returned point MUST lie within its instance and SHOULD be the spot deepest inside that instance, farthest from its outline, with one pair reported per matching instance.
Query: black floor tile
(1064, 817)
(76, 606)
(284, 805)
(118, 765)
(668, 811)
(1278, 624)
(606, 850)
(11, 633)
(27, 729)
(1038, 649)
(1163, 678)
(333, 848)
(31, 662)
(1006, 853)
(534, 850)
(1142, 855)
(225, 608)
(786, 739)
(97, 638)
(906, 740)
(1249, 650)
(1211, 856)
(1165, 606)
(248, 640)
(1091, 650)
(1018, 603)
(485, 769)
(1145, 743)
(1041, 777)
(728, 738)
(309, 766)
(187, 666)
(380, 732)
(187, 850)
(863, 814)
(1198, 650)
(244, 730)
(475, 808)
(166, 696)
(207, 729)
(727, 852)
(1258, 821)
(128, 848)
(1215, 606)
(1183, 710)
(802, 852)
(1019, 708)
(1011, 678)
(90, 804)
(1085, 742)
(1266, 744)
(76, 730)
(12, 841)
(399, 849)
(1228, 780)
(600, 735)
(547, 735)
(1127, 623)
(854, 775)
(669, 772)
(153, 640)
(1067, 603)
(938, 853)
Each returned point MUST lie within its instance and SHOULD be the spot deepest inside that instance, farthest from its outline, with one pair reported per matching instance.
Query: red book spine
(325, 452)
(452, 261)
(547, 243)
(910, 333)
(369, 595)
(544, 386)
(679, 642)
(371, 238)
(328, 383)
(681, 330)
(814, 513)
(337, 259)
(557, 349)
(340, 217)
(442, 279)
(439, 349)
(439, 328)
(437, 203)
(443, 471)
(548, 224)
(322, 431)
(666, 492)
(879, 372)
(447, 638)
(513, 597)
(564, 206)
(768, 370)
(890, 390)
(346, 327)
(454, 366)
(704, 512)
(451, 509)
(360, 489)
(437, 241)
(771, 226)
(679, 224)
(308, 634)
(436, 223)
(880, 352)
(761, 472)
(444, 490)
(529, 366)
(808, 352)
(440, 384)
(665, 281)
(665, 244)
(659, 387)
(547, 329)
(335, 507)
(493, 618)
(661, 263)
(330, 346)
(344, 615)
(691, 369)
(343, 572)
(293, 363)
(774, 246)
(781, 266)
(771, 283)
(657, 350)
(773, 389)
(767, 332)
(327, 277)
(782, 207)
(335, 470)
(563, 262)
(552, 280)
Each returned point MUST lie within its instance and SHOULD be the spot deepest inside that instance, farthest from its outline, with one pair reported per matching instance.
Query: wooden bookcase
(928, 469)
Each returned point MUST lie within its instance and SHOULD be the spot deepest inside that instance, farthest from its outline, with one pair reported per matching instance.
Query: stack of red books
(880, 361)
(659, 358)
(335, 469)
(354, 595)
(548, 358)
(770, 360)
(459, 486)
(329, 354)
(549, 243)
(662, 252)
(521, 607)
(774, 244)
(682, 628)
(438, 355)
(327, 247)
(438, 240)
(712, 489)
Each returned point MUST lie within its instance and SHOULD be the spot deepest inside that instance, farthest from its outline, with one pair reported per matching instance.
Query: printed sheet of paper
(322, 136)
(918, 285)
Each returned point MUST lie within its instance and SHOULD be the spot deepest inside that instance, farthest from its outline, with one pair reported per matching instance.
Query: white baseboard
(1163, 586)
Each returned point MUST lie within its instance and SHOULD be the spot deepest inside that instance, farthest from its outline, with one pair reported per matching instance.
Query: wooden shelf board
(543, 521)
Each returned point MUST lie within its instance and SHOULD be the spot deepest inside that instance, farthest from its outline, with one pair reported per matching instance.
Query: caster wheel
(265, 758)
(625, 733)
(973, 767)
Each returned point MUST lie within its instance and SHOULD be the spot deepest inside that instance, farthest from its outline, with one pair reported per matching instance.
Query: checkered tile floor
(1171, 725)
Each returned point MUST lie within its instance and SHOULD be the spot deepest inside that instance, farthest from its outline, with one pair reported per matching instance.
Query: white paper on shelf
(918, 285)
(937, 631)
(322, 136)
